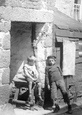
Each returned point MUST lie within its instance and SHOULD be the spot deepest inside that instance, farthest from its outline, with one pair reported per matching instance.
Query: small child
(54, 80)
(30, 74)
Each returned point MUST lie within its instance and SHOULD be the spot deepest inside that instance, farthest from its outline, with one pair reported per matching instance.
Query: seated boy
(54, 80)
(30, 74)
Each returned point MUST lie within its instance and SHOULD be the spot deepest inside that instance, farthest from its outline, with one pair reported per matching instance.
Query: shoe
(30, 97)
(40, 98)
(53, 107)
(57, 108)
(69, 109)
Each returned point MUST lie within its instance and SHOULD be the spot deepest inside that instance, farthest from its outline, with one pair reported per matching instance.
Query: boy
(30, 74)
(54, 80)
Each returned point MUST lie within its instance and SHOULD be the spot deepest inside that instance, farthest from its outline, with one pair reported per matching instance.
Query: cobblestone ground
(76, 111)
(9, 110)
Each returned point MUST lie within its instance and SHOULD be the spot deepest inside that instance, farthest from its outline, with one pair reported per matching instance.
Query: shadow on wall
(2, 2)
(21, 46)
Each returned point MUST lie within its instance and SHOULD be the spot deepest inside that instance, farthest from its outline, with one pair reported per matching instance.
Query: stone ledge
(4, 94)
(6, 76)
(26, 15)
(6, 41)
(4, 58)
(34, 4)
(5, 26)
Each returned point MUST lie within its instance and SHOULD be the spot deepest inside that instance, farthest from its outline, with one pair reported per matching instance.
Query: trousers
(61, 85)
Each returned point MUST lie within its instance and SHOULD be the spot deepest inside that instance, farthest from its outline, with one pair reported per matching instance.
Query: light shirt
(26, 72)
(30, 71)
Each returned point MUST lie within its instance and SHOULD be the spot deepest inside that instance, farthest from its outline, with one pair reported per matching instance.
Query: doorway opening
(22, 36)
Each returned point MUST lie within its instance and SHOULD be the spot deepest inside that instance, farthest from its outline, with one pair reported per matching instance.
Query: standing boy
(54, 80)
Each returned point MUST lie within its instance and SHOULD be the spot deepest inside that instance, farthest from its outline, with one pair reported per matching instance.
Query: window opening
(77, 9)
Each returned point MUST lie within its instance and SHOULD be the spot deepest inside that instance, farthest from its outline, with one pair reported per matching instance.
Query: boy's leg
(31, 99)
(54, 96)
(62, 87)
(30, 89)
(39, 91)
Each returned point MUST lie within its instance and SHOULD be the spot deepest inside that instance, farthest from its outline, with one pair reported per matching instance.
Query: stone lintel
(26, 15)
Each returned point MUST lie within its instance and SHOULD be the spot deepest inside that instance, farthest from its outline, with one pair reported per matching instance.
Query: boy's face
(51, 61)
(31, 62)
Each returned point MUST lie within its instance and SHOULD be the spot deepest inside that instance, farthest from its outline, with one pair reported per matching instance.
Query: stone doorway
(21, 45)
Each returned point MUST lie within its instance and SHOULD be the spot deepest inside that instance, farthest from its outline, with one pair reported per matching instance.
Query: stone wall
(30, 4)
(5, 46)
(44, 37)
(51, 4)
(65, 6)
(2, 2)
(4, 59)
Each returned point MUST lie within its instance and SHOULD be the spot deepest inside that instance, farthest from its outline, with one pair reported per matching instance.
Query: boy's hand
(35, 77)
(48, 87)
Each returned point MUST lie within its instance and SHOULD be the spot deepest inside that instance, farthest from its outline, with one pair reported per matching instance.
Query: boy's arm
(36, 74)
(59, 70)
(46, 76)
(27, 73)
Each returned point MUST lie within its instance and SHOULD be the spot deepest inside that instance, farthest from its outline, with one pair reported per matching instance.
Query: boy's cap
(51, 57)
(32, 58)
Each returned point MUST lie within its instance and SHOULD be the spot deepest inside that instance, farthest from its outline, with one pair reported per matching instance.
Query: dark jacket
(53, 73)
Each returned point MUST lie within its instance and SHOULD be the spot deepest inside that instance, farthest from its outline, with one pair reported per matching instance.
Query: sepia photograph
(40, 57)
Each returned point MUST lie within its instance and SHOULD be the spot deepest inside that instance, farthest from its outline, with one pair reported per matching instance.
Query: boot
(56, 108)
(67, 100)
(30, 99)
(40, 98)
(31, 102)
(69, 109)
